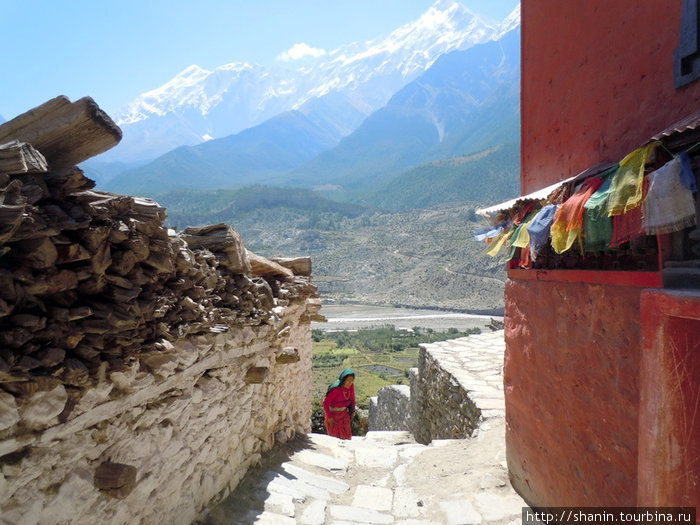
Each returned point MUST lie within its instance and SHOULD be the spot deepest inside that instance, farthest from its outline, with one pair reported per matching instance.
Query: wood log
(299, 265)
(12, 193)
(66, 182)
(96, 326)
(69, 253)
(69, 314)
(19, 157)
(75, 372)
(147, 210)
(65, 299)
(50, 357)
(223, 241)
(8, 284)
(118, 280)
(86, 352)
(54, 214)
(103, 205)
(25, 388)
(10, 219)
(138, 245)
(33, 193)
(161, 257)
(50, 283)
(101, 259)
(33, 322)
(36, 253)
(119, 233)
(35, 225)
(15, 337)
(93, 286)
(27, 363)
(118, 294)
(93, 237)
(5, 309)
(66, 133)
(260, 266)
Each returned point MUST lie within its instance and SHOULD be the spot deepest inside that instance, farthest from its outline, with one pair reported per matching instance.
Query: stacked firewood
(90, 280)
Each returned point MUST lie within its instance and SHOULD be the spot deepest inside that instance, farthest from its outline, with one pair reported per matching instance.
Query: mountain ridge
(464, 102)
(198, 104)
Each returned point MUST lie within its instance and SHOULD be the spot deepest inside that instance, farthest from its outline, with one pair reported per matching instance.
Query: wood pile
(91, 280)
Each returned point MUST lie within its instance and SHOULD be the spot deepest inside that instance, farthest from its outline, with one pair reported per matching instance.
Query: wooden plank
(66, 133)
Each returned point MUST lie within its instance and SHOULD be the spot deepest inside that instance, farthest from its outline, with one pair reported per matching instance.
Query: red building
(602, 365)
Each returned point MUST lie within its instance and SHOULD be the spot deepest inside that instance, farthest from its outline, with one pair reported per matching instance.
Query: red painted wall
(597, 82)
(571, 388)
(669, 430)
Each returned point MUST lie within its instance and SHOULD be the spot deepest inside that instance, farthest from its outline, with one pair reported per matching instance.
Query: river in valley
(358, 316)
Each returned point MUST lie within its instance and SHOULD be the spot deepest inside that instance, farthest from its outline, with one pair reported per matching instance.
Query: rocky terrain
(418, 258)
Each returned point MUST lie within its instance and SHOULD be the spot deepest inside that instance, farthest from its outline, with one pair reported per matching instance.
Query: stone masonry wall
(185, 434)
(443, 408)
(457, 384)
(391, 409)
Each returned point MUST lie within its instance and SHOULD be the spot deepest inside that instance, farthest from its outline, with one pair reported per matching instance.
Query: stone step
(384, 477)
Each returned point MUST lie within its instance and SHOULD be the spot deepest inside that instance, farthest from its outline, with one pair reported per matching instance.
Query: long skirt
(341, 425)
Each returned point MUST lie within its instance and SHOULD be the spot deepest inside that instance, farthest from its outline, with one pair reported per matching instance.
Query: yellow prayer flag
(498, 242)
(627, 183)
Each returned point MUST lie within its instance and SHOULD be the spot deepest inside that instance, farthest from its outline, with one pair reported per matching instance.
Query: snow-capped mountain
(198, 104)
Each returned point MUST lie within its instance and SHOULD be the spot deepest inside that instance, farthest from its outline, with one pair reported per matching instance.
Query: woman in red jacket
(339, 405)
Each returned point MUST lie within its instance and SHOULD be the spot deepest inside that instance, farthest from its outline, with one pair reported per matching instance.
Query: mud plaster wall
(190, 430)
(571, 391)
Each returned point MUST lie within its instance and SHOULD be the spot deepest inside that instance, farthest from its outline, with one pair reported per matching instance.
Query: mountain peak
(451, 7)
(448, 13)
(511, 21)
(191, 70)
(235, 96)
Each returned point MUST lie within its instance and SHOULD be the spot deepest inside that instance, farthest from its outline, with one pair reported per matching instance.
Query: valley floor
(358, 316)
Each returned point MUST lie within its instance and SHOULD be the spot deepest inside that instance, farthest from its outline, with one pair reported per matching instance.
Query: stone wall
(156, 445)
(444, 397)
(443, 408)
(391, 409)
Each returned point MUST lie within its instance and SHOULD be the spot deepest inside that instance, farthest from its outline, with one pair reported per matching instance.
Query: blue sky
(114, 50)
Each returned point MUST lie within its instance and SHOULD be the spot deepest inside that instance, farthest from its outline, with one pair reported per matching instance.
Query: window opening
(686, 59)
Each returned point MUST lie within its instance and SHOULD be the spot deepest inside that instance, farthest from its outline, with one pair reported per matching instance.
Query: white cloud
(299, 51)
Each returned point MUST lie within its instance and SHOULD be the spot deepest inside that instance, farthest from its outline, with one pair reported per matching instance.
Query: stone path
(385, 477)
